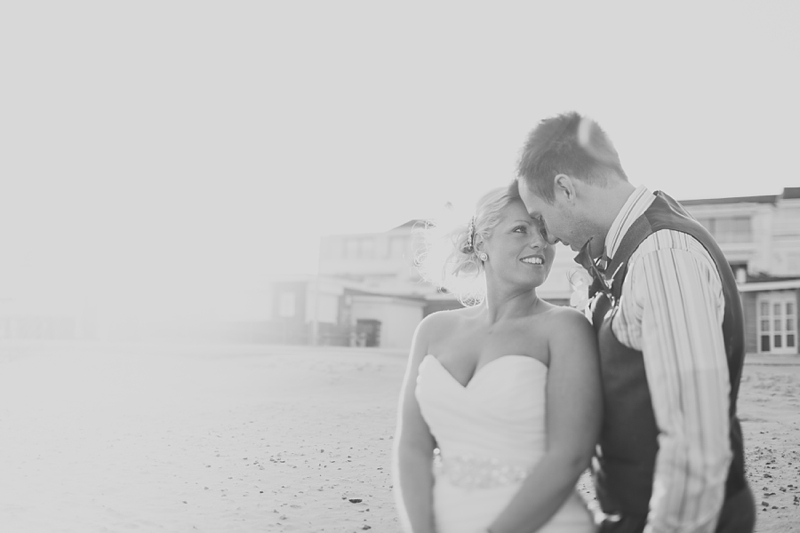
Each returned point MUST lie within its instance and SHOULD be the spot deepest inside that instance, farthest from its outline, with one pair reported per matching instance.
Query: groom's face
(558, 220)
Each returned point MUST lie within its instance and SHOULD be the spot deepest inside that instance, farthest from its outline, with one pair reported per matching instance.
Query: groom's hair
(567, 144)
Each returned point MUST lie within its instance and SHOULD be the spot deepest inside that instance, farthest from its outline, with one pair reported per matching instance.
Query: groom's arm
(674, 316)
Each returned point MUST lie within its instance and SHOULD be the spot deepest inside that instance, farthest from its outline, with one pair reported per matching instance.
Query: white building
(369, 293)
(760, 236)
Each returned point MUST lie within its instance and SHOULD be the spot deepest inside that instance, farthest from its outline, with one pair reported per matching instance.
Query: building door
(368, 332)
(777, 323)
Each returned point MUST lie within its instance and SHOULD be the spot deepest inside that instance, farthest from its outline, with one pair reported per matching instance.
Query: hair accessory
(483, 256)
(470, 246)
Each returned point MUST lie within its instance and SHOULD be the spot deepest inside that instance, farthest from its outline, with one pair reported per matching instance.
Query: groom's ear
(564, 187)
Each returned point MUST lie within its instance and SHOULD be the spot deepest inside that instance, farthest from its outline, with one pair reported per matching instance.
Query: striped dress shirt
(671, 309)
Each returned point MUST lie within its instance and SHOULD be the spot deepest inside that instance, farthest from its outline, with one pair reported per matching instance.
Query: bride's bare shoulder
(449, 318)
(564, 312)
(443, 325)
(559, 315)
(566, 321)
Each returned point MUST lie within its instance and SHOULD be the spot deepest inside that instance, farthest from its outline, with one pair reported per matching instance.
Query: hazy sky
(147, 144)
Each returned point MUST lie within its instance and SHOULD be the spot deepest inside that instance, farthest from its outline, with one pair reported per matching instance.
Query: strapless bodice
(490, 434)
(498, 415)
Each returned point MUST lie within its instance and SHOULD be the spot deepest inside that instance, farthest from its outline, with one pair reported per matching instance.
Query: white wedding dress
(489, 434)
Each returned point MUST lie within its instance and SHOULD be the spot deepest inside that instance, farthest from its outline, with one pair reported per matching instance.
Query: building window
(351, 248)
(287, 305)
(728, 229)
(398, 246)
(733, 229)
(777, 322)
(382, 248)
(367, 249)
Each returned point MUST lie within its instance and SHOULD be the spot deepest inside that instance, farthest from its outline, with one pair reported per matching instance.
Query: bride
(500, 408)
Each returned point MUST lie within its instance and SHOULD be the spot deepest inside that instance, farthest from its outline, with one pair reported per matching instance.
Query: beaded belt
(476, 473)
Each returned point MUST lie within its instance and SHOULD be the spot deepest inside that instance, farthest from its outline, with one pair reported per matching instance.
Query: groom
(669, 323)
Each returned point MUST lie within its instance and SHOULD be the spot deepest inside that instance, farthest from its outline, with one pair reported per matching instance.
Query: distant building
(760, 236)
(369, 293)
(385, 298)
(384, 286)
(340, 312)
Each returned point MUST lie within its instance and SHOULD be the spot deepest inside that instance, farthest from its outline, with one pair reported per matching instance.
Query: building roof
(761, 277)
(765, 199)
(766, 286)
(791, 193)
(788, 193)
(410, 224)
(402, 296)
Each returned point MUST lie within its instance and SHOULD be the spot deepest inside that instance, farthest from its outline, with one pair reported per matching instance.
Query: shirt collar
(636, 204)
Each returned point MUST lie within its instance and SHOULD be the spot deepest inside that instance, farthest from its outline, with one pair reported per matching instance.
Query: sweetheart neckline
(480, 370)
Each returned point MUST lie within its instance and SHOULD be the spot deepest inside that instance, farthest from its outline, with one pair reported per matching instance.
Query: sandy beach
(107, 438)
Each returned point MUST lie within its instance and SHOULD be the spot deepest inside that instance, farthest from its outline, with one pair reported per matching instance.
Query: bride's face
(517, 249)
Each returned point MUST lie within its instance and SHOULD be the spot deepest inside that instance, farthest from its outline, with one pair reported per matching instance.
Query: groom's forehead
(524, 188)
(532, 201)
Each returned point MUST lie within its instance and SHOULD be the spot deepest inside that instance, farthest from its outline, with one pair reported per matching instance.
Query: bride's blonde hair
(449, 258)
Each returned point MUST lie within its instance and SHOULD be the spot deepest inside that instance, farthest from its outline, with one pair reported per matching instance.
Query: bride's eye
(520, 229)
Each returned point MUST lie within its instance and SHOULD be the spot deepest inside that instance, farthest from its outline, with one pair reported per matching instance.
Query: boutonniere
(580, 281)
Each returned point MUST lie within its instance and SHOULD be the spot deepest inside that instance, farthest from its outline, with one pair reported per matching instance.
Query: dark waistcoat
(628, 445)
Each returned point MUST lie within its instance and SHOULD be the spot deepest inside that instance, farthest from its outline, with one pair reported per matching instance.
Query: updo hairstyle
(450, 259)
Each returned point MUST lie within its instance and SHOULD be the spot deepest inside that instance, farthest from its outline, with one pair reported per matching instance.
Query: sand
(769, 406)
(105, 438)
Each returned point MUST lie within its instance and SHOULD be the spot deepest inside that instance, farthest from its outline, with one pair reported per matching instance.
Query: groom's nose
(539, 239)
(546, 236)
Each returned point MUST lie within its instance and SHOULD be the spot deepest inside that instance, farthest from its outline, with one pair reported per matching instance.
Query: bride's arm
(573, 418)
(412, 456)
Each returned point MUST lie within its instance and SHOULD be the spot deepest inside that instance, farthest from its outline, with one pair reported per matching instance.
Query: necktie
(595, 268)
